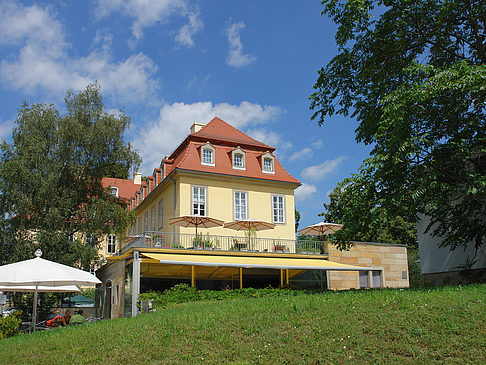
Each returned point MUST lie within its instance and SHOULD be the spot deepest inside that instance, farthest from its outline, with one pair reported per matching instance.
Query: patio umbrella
(39, 272)
(248, 224)
(41, 288)
(320, 229)
(196, 221)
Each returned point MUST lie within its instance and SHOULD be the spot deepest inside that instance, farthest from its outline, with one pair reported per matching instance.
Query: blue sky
(170, 63)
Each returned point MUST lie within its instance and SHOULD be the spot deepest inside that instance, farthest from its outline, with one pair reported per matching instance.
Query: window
(207, 155)
(145, 222)
(376, 279)
(114, 191)
(241, 205)
(268, 163)
(111, 244)
(92, 240)
(152, 218)
(161, 214)
(363, 279)
(199, 200)
(238, 159)
(140, 225)
(278, 208)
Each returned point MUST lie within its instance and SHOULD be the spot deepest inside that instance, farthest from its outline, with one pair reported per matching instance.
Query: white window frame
(193, 201)
(161, 214)
(208, 147)
(109, 242)
(267, 155)
(235, 152)
(114, 191)
(237, 213)
(278, 218)
(152, 218)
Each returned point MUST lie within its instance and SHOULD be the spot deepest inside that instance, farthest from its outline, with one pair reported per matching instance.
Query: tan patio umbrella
(320, 229)
(196, 221)
(248, 224)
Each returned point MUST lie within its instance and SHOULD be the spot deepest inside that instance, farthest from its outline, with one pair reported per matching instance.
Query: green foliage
(183, 293)
(201, 241)
(413, 74)
(388, 326)
(10, 325)
(51, 191)
(297, 220)
(414, 275)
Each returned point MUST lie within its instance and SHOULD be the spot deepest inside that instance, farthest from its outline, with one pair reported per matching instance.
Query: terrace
(171, 240)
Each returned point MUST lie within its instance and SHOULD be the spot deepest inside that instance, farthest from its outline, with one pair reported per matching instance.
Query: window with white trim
(268, 163)
(207, 155)
(152, 218)
(240, 205)
(114, 191)
(199, 195)
(238, 159)
(161, 213)
(111, 244)
(278, 208)
(145, 222)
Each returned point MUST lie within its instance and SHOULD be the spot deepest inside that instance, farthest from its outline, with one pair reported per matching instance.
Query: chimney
(137, 178)
(196, 127)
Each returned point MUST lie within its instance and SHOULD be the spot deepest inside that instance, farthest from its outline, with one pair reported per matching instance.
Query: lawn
(441, 325)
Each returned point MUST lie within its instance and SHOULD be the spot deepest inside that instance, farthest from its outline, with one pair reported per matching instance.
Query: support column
(135, 282)
(193, 276)
(287, 277)
(281, 278)
(370, 279)
(241, 278)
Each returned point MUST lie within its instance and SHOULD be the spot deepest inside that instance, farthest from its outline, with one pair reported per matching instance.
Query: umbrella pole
(34, 310)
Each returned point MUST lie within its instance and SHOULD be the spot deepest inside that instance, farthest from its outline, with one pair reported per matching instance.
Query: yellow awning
(118, 257)
(252, 262)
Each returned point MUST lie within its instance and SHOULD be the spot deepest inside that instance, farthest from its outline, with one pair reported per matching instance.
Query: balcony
(170, 240)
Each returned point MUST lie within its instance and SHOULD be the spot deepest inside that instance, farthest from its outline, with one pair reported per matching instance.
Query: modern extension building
(220, 173)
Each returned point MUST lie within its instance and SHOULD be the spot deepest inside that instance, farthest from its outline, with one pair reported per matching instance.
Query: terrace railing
(187, 241)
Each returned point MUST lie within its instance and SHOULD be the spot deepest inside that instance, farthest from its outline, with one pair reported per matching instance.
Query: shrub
(10, 325)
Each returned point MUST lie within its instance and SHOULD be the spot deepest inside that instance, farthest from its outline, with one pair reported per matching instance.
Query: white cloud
(318, 144)
(43, 61)
(174, 122)
(319, 172)
(305, 191)
(269, 137)
(185, 34)
(303, 154)
(149, 13)
(236, 57)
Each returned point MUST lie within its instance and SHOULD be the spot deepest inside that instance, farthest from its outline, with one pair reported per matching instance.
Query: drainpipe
(174, 212)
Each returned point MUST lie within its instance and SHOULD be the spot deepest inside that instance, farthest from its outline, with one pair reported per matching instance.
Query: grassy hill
(443, 325)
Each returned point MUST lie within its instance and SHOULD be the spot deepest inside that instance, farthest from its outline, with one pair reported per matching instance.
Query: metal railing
(171, 240)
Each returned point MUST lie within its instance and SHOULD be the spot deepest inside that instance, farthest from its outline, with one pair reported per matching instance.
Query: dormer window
(207, 155)
(114, 191)
(238, 157)
(268, 163)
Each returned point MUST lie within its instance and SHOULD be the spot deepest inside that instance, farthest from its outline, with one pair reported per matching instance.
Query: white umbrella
(39, 272)
(41, 288)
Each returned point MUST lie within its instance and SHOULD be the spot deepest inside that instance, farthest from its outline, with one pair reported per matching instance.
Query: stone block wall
(391, 259)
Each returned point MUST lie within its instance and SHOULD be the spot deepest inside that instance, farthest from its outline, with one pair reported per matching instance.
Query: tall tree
(50, 187)
(413, 74)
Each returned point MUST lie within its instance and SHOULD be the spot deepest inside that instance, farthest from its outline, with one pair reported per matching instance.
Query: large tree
(413, 74)
(50, 188)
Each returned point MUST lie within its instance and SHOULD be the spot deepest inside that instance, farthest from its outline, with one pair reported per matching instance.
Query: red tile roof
(126, 188)
(225, 138)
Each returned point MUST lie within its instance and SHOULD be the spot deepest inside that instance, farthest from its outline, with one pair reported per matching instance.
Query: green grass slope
(444, 325)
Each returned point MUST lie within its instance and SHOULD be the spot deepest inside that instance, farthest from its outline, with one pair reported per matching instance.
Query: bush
(10, 325)
(183, 293)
